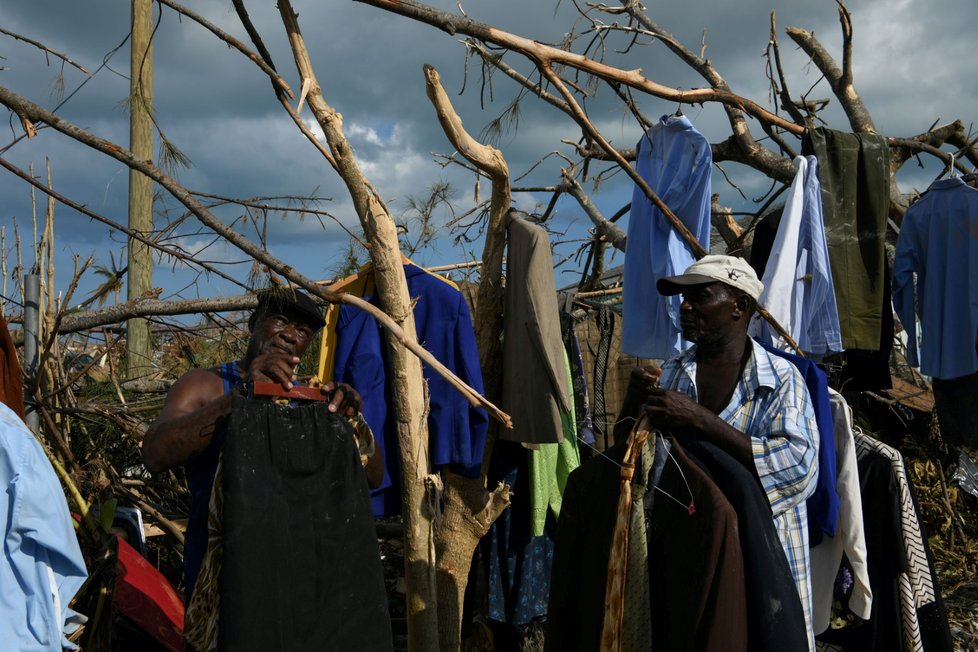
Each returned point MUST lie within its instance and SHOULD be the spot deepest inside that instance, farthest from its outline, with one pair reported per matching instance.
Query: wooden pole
(138, 345)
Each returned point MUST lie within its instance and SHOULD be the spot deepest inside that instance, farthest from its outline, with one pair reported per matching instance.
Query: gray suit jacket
(534, 379)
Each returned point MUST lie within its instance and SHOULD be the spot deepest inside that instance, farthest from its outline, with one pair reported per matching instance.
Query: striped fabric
(916, 584)
(772, 406)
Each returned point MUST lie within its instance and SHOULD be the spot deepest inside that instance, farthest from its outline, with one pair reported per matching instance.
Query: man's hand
(675, 412)
(345, 400)
(641, 381)
(273, 368)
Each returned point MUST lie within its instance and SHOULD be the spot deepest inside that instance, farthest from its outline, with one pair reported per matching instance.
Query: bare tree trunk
(138, 350)
(469, 508)
(408, 387)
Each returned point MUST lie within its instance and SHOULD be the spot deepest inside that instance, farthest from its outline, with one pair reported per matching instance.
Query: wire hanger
(690, 508)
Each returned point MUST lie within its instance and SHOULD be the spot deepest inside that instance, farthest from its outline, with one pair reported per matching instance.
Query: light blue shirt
(939, 242)
(798, 289)
(42, 565)
(676, 161)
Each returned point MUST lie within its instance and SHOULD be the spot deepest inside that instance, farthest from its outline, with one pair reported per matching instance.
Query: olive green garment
(853, 170)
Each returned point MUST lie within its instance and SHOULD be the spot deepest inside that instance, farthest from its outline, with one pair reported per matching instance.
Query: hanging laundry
(517, 563)
(42, 567)
(823, 504)
(939, 243)
(696, 574)
(886, 561)
(869, 370)
(535, 389)
(775, 619)
(582, 401)
(854, 171)
(456, 430)
(300, 567)
(551, 464)
(675, 159)
(826, 557)
(628, 541)
(603, 418)
(907, 611)
(798, 289)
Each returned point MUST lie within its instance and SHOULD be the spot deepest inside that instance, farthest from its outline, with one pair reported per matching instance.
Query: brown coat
(695, 563)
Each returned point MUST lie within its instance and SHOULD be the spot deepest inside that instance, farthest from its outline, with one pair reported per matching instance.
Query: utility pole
(138, 345)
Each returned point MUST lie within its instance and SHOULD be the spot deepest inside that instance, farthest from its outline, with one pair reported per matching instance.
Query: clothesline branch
(695, 247)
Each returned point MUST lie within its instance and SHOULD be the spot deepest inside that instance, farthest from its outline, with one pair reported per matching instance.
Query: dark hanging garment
(602, 428)
(696, 573)
(775, 619)
(764, 234)
(301, 567)
(886, 560)
(854, 172)
(908, 612)
(955, 401)
(864, 370)
(517, 564)
(696, 565)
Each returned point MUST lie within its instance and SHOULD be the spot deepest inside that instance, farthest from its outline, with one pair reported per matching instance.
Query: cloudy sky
(911, 67)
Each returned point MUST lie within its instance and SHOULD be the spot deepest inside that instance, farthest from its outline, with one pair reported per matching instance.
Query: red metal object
(275, 390)
(146, 598)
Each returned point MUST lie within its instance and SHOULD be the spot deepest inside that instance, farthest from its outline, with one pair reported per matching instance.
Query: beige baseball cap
(735, 272)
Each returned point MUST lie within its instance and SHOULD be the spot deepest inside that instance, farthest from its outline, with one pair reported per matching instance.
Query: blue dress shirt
(42, 565)
(675, 160)
(939, 243)
(456, 430)
(798, 289)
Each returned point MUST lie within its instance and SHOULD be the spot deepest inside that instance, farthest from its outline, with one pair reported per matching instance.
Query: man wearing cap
(191, 427)
(728, 390)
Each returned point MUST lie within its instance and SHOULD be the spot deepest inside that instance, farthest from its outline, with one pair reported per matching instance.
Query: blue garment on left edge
(823, 504)
(42, 565)
(939, 242)
(456, 430)
(676, 161)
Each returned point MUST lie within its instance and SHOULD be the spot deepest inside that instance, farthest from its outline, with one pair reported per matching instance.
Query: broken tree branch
(545, 55)
(46, 49)
(38, 114)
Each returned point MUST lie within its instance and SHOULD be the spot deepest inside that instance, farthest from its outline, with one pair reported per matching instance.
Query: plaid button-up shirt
(771, 405)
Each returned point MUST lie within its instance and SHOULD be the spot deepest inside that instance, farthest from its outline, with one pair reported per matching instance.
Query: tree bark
(469, 509)
(408, 386)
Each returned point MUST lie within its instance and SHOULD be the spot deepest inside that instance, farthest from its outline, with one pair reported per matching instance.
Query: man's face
(707, 313)
(281, 332)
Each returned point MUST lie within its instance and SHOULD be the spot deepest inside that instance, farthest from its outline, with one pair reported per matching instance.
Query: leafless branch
(46, 49)
(603, 227)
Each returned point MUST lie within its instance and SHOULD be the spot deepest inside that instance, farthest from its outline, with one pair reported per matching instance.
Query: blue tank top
(200, 480)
